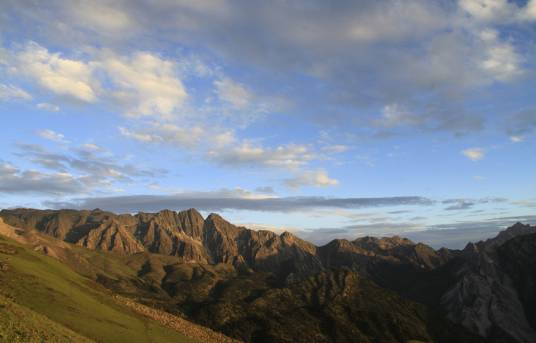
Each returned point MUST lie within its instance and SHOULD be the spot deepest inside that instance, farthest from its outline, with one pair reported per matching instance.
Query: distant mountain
(259, 286)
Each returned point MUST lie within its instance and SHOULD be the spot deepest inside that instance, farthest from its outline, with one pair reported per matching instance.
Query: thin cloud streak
(208, 202)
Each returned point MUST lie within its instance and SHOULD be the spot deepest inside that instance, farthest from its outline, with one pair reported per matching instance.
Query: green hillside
(55, 301)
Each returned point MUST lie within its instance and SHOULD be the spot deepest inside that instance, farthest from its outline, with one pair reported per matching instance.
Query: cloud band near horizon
(207, 202)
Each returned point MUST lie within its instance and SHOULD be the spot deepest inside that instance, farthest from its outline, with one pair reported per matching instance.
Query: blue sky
(328, 119)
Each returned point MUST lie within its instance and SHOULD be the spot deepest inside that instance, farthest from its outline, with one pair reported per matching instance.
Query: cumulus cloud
(498, 11)
(58, 74)
(474, 154)
(52, 136)
(500, 61)
(142, 83)
(145, 84)
(315, 178)
(10, 92)
(363, 54)
(488, 10)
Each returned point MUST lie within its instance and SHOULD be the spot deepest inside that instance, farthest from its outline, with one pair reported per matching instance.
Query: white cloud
(517, 139)
(474, 154)
(167, 133)
(488, 10)
(316, 178)
(145, 84)
(52, 136)
(246, 154)
(530, 10)
(498, 11)
(367, 52)
(500, 61)
(222, 139)
(62, 76)
(139, 136)
(48, 107)
(10, 92)
(92, 147)
(233, 93)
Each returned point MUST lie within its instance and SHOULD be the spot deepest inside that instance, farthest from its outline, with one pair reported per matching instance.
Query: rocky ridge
(188, 235)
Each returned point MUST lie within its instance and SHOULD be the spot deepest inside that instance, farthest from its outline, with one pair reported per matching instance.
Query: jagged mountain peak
(382, 242)
(518, 229)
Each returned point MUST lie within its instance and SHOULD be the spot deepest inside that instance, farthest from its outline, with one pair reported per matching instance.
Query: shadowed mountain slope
(259, 286)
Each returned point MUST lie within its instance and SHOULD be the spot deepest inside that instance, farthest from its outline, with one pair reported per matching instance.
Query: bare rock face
(171, 233)
(184, 234)
(518, 258)
(213, 240)
(365, 251)
(485, 298)
(111, 235)
(260, 250)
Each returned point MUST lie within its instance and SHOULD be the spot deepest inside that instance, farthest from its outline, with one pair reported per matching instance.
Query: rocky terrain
(258, 286)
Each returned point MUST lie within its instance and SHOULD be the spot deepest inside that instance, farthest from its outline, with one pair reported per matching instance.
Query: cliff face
(214, 240)
(183, 234)
(490, 295)
(371, 250)
(518, 259)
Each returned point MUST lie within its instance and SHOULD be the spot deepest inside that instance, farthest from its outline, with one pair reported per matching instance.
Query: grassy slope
(41, 285)
(19, 324)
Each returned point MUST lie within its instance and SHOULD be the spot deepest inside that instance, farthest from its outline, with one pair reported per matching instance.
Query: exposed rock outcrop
(485, 297)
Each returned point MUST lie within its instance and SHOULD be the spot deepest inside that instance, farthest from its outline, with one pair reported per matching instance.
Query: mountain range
(259, 286)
